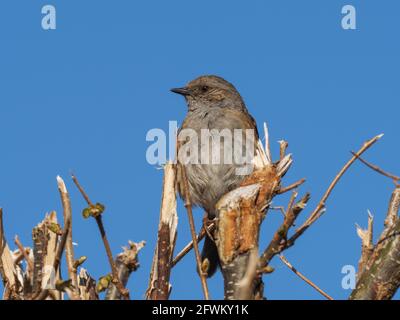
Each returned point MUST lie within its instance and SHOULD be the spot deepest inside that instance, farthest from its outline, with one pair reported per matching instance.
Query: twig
(291, 187)
(320, 208)
(24, 253)
(189, 246)
(279, 240)
(282, 148)
(123, 291)
(127, 262)
(20, 256)
(287, 263)
(377, 169)
(69, 249)
(267, 144)
(279, 208)
(188, 206)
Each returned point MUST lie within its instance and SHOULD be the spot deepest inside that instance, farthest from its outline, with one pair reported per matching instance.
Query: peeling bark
(159, 286)
(380, 278)
(126, 262)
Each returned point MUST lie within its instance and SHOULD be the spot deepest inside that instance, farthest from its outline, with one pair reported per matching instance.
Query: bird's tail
(210, 252)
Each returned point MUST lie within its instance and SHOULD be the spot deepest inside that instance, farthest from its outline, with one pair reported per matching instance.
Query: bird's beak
(182, 91)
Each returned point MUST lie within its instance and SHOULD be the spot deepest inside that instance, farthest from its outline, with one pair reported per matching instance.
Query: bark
(39, 253)
(159, 285)
(12, 287)
(126, 262)
(69, 248)
(236, 235)
(380, 278)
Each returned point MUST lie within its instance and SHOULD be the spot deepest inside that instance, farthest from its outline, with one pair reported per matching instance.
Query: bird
(214, 106)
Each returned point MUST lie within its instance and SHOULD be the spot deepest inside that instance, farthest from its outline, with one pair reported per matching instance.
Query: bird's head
(210, 91)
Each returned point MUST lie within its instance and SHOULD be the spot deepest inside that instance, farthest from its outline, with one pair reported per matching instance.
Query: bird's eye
(204, 88)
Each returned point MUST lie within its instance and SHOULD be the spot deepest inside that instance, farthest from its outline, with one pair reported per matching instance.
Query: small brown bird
(214, 107)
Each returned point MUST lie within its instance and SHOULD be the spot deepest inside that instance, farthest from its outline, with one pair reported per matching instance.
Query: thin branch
(188, 206)
(320, 208)
(122, 290)
(282, 148)
(24, 253)
(279, 208)
(377, 169)
(291, 187)
(189, 246)
(267, 144)
(279, 240)
(287, 263)
(69, 249)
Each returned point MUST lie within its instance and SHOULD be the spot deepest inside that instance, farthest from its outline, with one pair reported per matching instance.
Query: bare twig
(279, 240)
(123, 291)
(291, 187)
(377, 169)
(24, 253)
(282, 148)
(320, 208)
(189, 246)
(69, 249)
(267, 149)
(188, 206)
(287, 263)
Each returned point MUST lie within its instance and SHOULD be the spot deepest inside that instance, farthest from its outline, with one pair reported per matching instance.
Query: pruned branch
(159, 286)
(69, 249)
(379, 274)
(367, 246)
(126, 262)
(12, 287)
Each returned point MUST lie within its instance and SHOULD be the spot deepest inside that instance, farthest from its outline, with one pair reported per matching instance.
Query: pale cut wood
(159, 286)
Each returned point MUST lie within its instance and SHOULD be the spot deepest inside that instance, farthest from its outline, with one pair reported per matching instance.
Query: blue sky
(82, 98)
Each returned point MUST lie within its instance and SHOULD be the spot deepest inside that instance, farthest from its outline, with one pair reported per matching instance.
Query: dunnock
(216, 108)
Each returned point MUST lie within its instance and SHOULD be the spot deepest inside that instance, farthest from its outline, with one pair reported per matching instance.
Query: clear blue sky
(82, 98)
